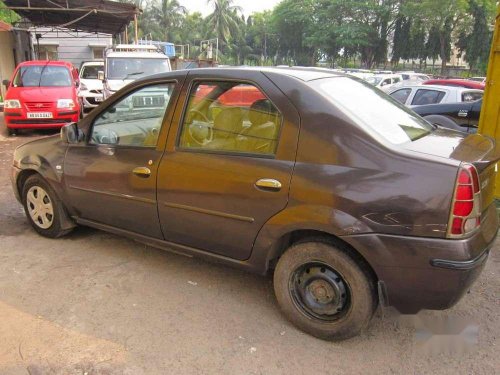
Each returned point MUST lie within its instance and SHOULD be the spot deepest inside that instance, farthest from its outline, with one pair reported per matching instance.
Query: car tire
(325, 291)
(12, 131)
(44, 210)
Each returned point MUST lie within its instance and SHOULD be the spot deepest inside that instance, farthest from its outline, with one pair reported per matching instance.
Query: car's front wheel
(42, 207)
(324, 290)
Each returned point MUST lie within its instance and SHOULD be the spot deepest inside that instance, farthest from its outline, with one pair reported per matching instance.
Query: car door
(228, 164)
(111, 178)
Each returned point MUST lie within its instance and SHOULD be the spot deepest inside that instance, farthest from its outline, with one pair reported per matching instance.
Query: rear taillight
(465, 215)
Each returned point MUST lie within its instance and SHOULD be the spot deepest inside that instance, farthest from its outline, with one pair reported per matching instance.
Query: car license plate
(98, 99)
(39, 114)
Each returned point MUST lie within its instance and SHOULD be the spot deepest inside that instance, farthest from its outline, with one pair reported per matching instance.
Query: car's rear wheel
(324, 291)
(43, 208)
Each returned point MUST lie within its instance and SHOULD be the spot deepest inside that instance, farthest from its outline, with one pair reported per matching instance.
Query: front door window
(134, 120)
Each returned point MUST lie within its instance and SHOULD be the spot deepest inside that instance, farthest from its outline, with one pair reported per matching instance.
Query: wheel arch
(304, 235)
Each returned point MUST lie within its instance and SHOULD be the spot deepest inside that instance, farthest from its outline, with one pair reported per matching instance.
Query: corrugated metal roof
(103, 16)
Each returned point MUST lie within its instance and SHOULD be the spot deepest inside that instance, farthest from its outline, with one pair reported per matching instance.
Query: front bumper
(18, 120)
(91, 100)
(14, 174)
(418, 273)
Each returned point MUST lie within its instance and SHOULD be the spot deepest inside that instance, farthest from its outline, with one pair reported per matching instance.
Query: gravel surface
(96, 303)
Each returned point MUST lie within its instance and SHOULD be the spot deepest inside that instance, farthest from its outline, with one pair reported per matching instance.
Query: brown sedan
(348, 196)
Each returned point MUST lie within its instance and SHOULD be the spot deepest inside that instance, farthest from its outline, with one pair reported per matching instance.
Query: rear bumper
(418, 273)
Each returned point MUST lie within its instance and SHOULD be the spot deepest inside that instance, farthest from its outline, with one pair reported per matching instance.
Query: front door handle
(268, 184)
(142, 171)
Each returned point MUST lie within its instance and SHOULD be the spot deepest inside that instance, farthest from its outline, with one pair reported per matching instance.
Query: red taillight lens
(463, 208)
(465, 214)
(456, 226)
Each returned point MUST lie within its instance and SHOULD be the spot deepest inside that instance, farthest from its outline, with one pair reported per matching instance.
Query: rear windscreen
(371, 108)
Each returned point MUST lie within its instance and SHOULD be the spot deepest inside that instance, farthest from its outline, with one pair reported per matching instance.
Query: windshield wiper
(131, 74)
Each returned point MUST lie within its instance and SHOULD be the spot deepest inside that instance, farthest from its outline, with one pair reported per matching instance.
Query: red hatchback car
(456, 82)
(42, 94)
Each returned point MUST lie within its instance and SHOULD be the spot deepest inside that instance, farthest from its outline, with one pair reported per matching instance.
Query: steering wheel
(196, 112)
(197, 139)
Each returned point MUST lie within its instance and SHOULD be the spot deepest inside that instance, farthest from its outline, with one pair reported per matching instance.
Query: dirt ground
(95, 303)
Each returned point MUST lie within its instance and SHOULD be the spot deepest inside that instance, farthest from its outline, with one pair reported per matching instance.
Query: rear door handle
(142, 171)
(268, 184)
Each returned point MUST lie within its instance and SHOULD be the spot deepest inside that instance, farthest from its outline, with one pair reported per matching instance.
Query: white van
(127, 62)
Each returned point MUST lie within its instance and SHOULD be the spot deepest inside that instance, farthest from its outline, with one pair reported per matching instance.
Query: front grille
(40, 121)
(92, 101)
(148, 101)
(38, 106)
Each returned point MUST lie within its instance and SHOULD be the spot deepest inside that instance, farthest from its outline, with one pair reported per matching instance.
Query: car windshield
(42, 76)
(373, 80)
(90, 71)
(376, 111)
(134, 68)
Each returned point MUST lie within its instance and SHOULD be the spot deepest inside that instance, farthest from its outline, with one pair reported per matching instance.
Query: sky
(248, 6)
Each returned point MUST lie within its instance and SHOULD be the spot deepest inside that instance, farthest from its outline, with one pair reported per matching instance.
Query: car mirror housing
(6, 82)
(100, 75)
(71, 134)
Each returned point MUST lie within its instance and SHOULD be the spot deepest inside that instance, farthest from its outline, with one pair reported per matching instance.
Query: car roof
(98, 63)
(137, 54)
(435, 87)
(46, 62)
(302, 73)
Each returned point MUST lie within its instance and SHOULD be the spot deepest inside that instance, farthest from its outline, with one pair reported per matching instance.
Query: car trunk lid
(479, 150)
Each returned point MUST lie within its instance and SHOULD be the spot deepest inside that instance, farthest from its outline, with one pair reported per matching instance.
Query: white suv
(433, 94)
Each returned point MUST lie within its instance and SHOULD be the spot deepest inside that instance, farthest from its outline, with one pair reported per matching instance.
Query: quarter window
(135, 120)
(230, 117)
(401, 95)
(423, 97)
(470, 96)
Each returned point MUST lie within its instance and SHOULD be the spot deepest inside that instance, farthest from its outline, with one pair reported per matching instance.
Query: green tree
(224, 19)
(474, 40)
(441, 17)
(169, 15)
(293, 20)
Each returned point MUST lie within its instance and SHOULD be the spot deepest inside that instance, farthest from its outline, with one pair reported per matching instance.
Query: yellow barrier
(489, 121)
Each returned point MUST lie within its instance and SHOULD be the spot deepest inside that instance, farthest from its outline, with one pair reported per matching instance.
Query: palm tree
(168, 14)
(224, 19)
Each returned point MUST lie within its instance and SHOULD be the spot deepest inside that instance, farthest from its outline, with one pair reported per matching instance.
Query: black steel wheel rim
(320, 292)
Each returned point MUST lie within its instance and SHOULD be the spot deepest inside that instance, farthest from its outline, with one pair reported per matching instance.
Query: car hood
(92, 84)
(117, 84)
(40, 94)
(476, 149)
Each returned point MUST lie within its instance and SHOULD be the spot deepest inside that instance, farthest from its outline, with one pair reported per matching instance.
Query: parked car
(348, 204)
(422, 95)
(126, 63)
(384, 81)
(90, 84)
(463, 116)
(456, 82)
(478, 79)
(416, 77)
(42, 94)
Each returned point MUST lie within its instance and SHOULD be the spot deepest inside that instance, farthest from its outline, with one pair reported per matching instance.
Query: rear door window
(401, 95)
(230, 117)
(425, 96)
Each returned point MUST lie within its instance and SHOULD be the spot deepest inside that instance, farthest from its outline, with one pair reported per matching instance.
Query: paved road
(96, 303)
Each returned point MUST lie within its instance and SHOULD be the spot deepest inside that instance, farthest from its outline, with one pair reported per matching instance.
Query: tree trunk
(442, 53)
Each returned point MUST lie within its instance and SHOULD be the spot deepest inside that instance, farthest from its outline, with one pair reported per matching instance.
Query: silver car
(433, 94)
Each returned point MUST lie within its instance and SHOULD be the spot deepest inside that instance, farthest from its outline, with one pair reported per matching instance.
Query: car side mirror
(71, 134)
(6, 82)
(77, 84)
(100, 75)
